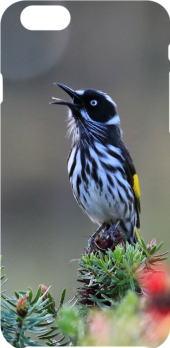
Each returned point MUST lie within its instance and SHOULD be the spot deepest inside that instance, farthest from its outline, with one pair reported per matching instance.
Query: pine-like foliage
(28, 321)
(121, 299)
(111, 296)
(108, 273)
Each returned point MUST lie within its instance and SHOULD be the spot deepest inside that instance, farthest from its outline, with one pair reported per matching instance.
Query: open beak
(71, 93)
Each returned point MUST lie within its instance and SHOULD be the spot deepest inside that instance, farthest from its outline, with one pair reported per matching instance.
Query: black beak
(71, 93)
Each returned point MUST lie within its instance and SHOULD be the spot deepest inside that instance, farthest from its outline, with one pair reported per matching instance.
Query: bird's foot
(91, 241)
(110, 236)
(109, 232)
(116, 236)
(112, 230)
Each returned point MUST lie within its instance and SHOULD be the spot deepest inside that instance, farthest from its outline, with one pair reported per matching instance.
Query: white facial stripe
(110, 100)
(85, 115)
(80, 91)
(114, 120)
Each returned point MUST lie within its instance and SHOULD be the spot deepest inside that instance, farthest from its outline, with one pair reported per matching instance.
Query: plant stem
(17, 337)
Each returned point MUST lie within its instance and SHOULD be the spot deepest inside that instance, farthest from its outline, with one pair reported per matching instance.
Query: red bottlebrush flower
(156, 303)
(22, 307)
(157, 282)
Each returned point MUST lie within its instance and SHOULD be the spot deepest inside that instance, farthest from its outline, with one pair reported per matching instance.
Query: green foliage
(69, 321)
(109, 298)
(121, 325)
(77, 326)
(39, 319)
(108, 275)
(150, 251)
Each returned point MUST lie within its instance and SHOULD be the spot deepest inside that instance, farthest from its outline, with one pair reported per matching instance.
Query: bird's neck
(103, 134)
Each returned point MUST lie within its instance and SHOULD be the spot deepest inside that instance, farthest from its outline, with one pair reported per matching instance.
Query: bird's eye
(93, 102)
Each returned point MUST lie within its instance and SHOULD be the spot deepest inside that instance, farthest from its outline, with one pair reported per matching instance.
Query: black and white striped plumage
(101, 171)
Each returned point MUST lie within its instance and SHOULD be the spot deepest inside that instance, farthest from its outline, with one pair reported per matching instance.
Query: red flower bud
(22, 307)
(43, 290)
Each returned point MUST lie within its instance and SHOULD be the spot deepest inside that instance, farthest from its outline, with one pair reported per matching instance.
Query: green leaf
(62, 297)
(166, 252)
(4, 281)
(68, 321)
(93, 268)
(124, 281)
(121, 273)
(106, 260)
(143, 244)
(37, 295)
(107, 298)
(126, 265)
(99, 302)
(27, 341)
(157, 260)
(16, 294)
(121, 291)
(101, 279)
(30, 294)
(91, 281)
(153, 250)
(131, 281)
(159, 246)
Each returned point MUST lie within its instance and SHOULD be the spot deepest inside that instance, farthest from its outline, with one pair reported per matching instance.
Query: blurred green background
(118, 47)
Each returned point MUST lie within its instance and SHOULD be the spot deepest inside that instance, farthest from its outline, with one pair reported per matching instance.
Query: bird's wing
(133, 180)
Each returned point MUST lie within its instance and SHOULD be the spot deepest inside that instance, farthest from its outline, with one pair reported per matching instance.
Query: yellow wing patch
(137, 234)
(136, 187)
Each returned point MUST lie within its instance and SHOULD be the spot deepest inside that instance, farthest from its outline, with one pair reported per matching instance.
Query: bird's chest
(98, 185)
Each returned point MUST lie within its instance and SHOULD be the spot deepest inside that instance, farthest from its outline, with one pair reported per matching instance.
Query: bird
(101, 171)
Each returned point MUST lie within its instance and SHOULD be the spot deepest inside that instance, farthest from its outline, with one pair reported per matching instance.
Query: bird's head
(90, 111)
